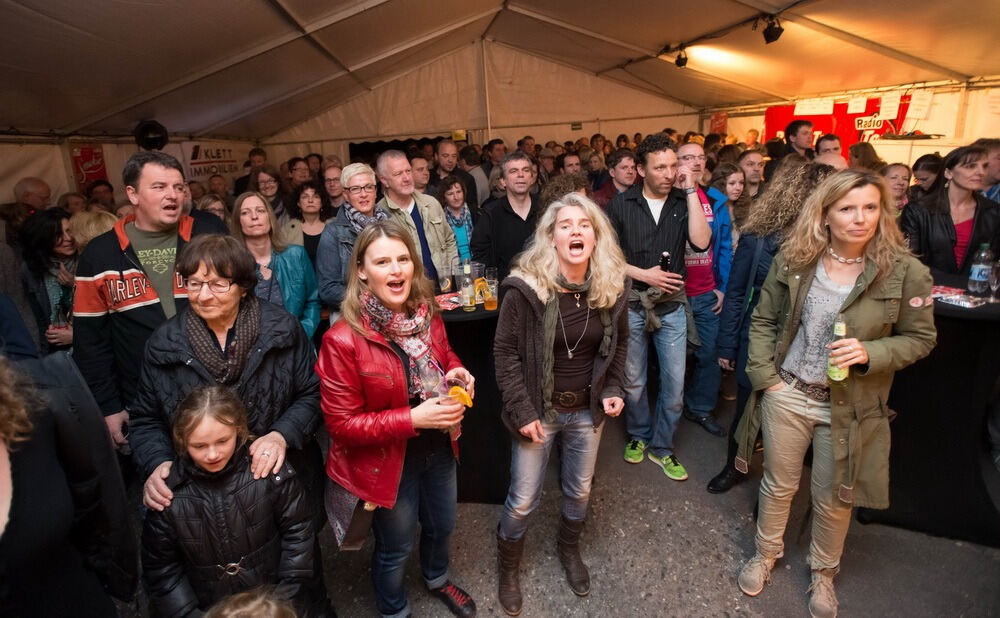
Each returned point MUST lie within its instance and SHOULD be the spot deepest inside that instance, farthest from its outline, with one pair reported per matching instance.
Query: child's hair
(254, 603)
(217, 402)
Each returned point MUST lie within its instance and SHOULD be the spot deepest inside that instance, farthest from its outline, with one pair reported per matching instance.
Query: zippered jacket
(116, 309)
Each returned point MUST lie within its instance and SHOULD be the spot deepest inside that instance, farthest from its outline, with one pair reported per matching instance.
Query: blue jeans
(528, 461)
(706, 375)
(670, 343)
(428, 493)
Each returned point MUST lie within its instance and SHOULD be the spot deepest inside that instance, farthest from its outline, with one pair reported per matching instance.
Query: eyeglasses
(687, 158)
(299, 168)
(219, 286)
(267, 183)
(361, 189)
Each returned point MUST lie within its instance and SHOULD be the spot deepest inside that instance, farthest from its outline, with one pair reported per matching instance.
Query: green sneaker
(634, 451)
(671, 467)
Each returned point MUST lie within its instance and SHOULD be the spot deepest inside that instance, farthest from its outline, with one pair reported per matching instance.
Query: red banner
(850, 128)
(88, 165)
(718, 123)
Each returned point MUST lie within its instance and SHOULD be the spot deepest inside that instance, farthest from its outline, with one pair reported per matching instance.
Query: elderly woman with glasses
(337, 242)
(228, 336)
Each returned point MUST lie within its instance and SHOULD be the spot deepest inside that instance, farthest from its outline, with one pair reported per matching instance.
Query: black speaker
(150, 135)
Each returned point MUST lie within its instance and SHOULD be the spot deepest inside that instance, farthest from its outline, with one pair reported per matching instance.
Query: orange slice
(482, 289)
(461, 395)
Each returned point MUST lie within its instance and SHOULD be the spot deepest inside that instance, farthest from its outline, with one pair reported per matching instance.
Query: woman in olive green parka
(844, 257)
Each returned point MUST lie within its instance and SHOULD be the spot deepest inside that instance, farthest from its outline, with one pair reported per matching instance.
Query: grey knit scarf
(549, 319)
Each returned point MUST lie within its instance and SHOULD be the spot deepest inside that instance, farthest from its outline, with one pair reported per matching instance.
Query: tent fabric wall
(527, 95)
(52, 163)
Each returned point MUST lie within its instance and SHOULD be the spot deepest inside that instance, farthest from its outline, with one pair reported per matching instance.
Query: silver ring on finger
(266, 453)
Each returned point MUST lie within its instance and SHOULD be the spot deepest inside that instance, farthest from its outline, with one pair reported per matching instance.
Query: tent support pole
(486, 93)
(963, 106)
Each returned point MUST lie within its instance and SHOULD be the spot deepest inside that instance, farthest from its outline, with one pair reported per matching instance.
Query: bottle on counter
(835, 373)
(979, 275)
(468, 288)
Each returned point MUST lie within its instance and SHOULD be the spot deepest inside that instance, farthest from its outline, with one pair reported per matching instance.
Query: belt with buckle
(816, 392)
(571, 400)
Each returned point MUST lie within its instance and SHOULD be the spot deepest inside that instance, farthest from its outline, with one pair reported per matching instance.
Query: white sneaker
(755, 573)
(822, 600)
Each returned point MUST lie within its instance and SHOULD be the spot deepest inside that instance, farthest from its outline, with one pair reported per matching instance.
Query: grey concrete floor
(657, 547)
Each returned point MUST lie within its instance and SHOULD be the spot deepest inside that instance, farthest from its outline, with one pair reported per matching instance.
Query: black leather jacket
(225, 532)
(932, 238)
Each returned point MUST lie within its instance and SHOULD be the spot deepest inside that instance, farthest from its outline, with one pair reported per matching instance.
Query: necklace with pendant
(569, 350)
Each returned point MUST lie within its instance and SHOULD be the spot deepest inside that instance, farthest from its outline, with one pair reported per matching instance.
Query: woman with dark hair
(925, 171)
(393, 438)
(621, 141)
(451, 195)
(772, 216)
(298, 173)
(66, 545)
(229, 337)
(266, 180)
(946, 227)
(862, 155)
(285, 275)
(726, 186)
(49, 254)
(307, 217)
(843, 263)
(560, 358)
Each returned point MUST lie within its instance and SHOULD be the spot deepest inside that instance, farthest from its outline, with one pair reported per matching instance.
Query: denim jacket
(333, 256)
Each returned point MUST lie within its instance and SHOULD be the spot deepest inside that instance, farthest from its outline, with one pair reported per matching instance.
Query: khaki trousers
(791, 421)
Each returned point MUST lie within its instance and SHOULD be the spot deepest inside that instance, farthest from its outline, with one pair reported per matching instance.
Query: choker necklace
(569, 350)
(843, 260)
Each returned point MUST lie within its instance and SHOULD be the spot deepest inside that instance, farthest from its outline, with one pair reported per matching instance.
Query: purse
(350, 517)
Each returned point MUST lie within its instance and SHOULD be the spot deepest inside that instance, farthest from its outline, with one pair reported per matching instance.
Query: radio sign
(868, 123)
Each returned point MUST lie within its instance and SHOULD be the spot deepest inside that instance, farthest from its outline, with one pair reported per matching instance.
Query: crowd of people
(216, 329)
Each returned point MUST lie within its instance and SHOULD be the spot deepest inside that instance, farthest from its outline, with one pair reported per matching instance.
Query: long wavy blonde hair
(17, 397)
(607, 263)
(809, 238)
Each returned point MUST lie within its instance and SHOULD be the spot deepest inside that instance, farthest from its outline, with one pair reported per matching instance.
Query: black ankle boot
(725, 480)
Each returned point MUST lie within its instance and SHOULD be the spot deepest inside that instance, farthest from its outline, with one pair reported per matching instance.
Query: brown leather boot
(509, 560)
(568, 548)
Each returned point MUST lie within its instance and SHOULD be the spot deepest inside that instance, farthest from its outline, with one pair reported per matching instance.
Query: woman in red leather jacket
(392, 441)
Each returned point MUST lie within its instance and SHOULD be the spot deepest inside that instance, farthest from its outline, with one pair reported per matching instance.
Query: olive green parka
(893, 318)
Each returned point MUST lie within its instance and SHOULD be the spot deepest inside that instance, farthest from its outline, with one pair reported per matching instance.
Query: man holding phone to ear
(663, 213)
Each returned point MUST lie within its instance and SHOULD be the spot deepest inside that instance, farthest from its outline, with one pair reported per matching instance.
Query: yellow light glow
(706, 54)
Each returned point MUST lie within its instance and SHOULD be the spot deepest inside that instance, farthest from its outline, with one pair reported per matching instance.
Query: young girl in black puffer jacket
(225, 531)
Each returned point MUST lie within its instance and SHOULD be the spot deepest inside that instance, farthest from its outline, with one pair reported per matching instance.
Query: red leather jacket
(366, 407)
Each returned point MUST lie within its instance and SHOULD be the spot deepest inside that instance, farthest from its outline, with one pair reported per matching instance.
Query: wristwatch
(690, 190)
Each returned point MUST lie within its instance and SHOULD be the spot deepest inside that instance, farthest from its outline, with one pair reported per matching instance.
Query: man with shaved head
(832, 159)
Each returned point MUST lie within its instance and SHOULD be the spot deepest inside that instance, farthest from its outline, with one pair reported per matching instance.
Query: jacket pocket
(889, 295)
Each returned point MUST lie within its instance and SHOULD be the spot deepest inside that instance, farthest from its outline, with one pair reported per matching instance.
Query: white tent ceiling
(256, 68)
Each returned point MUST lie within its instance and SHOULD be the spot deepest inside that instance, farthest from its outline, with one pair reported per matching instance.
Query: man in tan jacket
(419, 213)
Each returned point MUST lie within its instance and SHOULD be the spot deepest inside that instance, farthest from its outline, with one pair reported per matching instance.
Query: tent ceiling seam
(218, 67)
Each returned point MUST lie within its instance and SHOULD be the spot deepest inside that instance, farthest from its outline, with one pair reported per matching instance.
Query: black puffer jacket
(931, 233)
(278, 387)
(225, 532)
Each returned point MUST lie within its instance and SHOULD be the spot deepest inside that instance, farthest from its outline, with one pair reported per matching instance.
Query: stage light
(773, 30)
(681, 60)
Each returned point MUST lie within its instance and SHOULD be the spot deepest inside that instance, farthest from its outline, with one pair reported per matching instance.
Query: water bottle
(835, 373)
(979, 275)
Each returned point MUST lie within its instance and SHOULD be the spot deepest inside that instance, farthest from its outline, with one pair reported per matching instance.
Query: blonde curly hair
(15, 400)
(776, 209)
